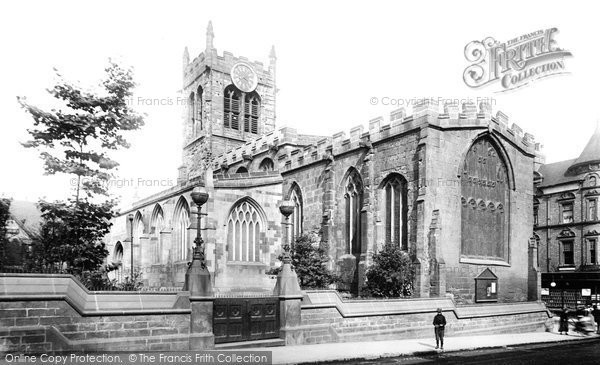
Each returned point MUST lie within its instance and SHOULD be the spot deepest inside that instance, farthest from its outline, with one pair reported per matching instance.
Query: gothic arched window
(117, 259)
(395, 210)
(138, 232)
(266, 165)
(157, 225)
(241, 170)
(296, 217)
(243, 232)
(353, 198)
(485, 202)
(232, 107)
(192, 113)
(181, 227)
(198, 111)
(251, 112)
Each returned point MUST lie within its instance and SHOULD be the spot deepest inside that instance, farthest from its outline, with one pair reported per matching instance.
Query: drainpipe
(548, 235)
(583, 262)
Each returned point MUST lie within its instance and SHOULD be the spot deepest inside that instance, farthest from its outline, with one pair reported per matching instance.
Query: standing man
(596, 315)
(439, 323)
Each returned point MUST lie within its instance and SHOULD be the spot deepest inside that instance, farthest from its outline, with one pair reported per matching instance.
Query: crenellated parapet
(428, 113)
(222, 63)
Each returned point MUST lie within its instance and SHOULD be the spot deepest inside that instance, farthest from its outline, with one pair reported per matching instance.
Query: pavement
(346, 351)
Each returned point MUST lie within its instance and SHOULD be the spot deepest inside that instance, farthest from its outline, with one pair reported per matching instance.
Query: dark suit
(439, 323)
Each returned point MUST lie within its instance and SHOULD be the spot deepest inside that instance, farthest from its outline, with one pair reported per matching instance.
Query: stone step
(275, 342)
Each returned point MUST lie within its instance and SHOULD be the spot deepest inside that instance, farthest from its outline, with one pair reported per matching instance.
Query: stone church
(451, 184)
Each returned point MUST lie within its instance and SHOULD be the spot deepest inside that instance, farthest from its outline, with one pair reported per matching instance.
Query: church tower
(227, 101)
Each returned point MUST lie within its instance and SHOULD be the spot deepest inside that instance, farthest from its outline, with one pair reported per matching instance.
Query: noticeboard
(486, 287)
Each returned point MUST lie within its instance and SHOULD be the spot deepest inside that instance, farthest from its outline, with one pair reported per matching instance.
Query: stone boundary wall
(43, 313)
(328, 318)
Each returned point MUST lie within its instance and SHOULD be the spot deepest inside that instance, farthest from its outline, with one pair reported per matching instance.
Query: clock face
(244, 77)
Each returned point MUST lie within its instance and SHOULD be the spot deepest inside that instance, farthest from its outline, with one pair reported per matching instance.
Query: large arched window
(241, 170)
(485, 202)
(232, 107)
(198, 111)
(118, 253)
(244, 227)
(138, 232)
(266, 165)
(353, 200)
(117, 259)
(394, 199)
(157, 225)
(251, 112)
(296, 217)
(181, 230)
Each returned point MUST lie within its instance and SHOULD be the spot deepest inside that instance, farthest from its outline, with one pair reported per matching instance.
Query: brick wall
(56, 313)
(38, 326)
(326, 318)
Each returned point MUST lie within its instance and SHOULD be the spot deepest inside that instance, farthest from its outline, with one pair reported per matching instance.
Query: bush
(392, 273)
(309, 260)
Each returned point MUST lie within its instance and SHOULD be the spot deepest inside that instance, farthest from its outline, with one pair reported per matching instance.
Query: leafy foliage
(71, 235)
(309, 260)
(391, 274)
(4, 217)
(76, 141)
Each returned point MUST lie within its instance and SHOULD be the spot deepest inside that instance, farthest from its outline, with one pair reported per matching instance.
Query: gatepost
(197, 281)
(288, 290)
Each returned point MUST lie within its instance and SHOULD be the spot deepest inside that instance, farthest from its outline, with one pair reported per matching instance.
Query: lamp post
(287, 281)
(287, 208)
(130, 218)
(197, 277)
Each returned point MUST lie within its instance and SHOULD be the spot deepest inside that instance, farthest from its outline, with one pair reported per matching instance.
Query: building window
(593, 251)
(232, 107)
(536, 210)
(138, 232)
(394, 192)
(592, 209)
(267, 165)
(118, 260)
(353, 205)
(198, 111)
(567, 213)
(192, 113)
(181, 228)
(296, 218)
(251, 112)
(157, 226)
(241, 170)
(485, 202)
(568, 253)
(243, 233)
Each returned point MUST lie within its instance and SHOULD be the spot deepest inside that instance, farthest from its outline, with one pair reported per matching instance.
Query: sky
(333, 59)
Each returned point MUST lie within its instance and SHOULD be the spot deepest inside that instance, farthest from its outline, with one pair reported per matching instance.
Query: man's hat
(439, 310)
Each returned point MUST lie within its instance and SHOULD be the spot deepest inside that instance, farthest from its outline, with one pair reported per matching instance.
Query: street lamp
(287, 208)
(130, 218)
(287, 281)
(197, 277)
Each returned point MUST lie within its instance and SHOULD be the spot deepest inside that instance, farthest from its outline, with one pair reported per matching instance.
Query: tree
(4, 217)
(309, 260)
(76, 141)
(391, 274)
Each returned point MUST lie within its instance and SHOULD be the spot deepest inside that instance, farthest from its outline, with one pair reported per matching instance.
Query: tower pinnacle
(210, 35)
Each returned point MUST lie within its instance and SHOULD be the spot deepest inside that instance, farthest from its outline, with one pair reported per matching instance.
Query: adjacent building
(567, 227)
